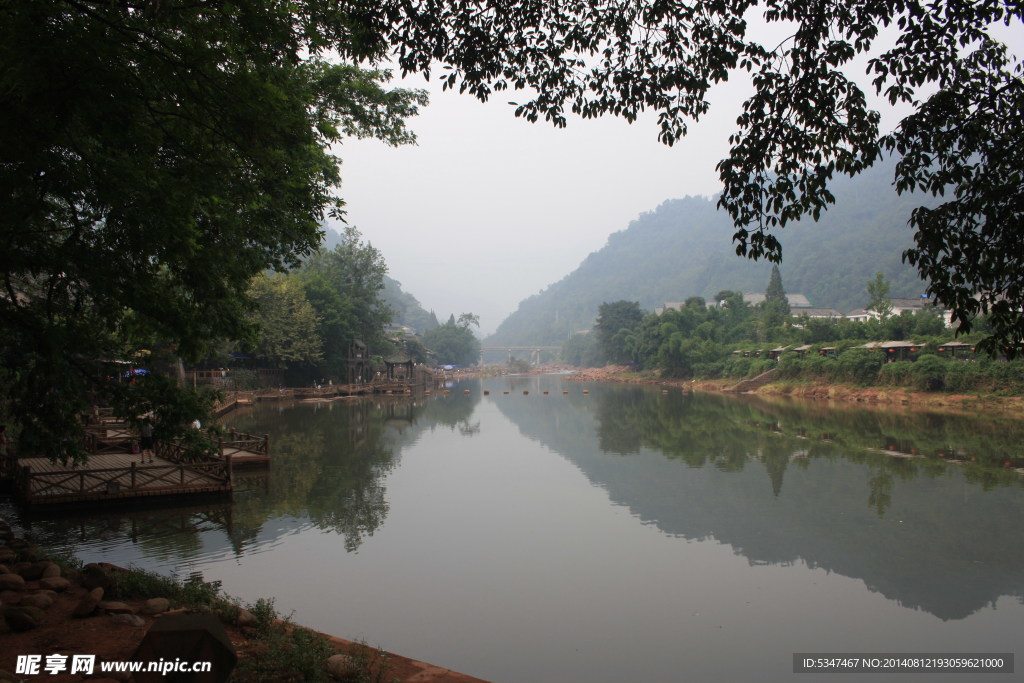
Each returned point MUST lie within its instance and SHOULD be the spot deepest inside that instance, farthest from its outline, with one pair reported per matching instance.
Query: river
(611, 533)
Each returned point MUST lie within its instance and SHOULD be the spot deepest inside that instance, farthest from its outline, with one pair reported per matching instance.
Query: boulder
(30, 571)
(87, 605)
(245, 618)
(52, 570)
(129, 619)
(114, 607)
(95, 576)
(23, 618)
(11, 582)
(55, 583)
(40, 600)
(155, 606)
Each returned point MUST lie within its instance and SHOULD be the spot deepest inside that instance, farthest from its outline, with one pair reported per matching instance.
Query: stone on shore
(129, 619)
(87, 605)
(95, 576)
(40, 600)
(23, 618)
(115, 607)
(12, 582)
(55, 583)
(155, 606)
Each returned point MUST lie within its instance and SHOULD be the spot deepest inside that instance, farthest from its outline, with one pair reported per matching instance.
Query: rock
(40, 600)
(55, 583)
(95, 576)
(245, 618)
(7, 677)
(10, 597)
(87, 605)
(51, 570)
(155, 606)
(11, 582)
(31, 571)
(23, 618)
(20, 568)
(116, 607)
(340, 666)
(7, 555)
(129, 619)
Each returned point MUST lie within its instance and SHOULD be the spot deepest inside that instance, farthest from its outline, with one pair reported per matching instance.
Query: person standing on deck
(146, 440)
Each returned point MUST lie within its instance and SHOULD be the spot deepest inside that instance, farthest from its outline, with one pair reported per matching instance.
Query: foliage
(156, 158)
(288, 325)
(878, 296)
(518, 365)
(282, 651)
(614, 321)
(454, 343)
(807, 120)
(136, 583)
(718, 342)
(776, 305)
(345, 287)
(582, 350)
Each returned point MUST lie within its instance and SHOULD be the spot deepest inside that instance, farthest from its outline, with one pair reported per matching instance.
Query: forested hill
(684, 248)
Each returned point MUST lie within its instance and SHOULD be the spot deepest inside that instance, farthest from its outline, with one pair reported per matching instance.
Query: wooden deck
(244, 450)
(117, 476)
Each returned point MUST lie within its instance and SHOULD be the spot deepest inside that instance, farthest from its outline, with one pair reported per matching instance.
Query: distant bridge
(534, 351)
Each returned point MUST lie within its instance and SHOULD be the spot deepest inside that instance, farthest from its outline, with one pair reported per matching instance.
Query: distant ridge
(684, 248)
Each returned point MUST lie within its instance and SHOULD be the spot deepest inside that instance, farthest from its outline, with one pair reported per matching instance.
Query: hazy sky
(488, 209)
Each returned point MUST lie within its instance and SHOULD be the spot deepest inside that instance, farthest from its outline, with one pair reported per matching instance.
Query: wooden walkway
(117, 476)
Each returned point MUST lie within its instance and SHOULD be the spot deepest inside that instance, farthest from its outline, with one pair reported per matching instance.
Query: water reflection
(783, 482)
(920, 507)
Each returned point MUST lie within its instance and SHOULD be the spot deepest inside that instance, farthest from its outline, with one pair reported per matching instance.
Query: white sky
(488, 210)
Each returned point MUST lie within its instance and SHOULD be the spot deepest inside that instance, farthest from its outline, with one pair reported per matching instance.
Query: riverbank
(64, 609)
(883, 397)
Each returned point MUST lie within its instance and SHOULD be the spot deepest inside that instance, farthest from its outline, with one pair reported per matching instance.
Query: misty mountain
(684, 248)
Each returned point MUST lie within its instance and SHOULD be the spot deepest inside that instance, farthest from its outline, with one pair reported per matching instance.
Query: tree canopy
(454, 342)
(807, 120)
(157, 155)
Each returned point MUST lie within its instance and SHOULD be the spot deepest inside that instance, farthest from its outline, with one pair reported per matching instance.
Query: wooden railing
(123, 481)
(252, 443)
(98, 441)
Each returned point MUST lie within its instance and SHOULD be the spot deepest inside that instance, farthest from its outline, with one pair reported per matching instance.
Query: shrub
(928, 373)
(896, 374)
(859, 366)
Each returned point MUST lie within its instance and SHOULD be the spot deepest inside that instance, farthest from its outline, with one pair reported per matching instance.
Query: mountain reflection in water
(468, 512)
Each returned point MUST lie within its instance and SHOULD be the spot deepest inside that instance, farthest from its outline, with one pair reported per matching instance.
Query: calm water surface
(619, 535)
